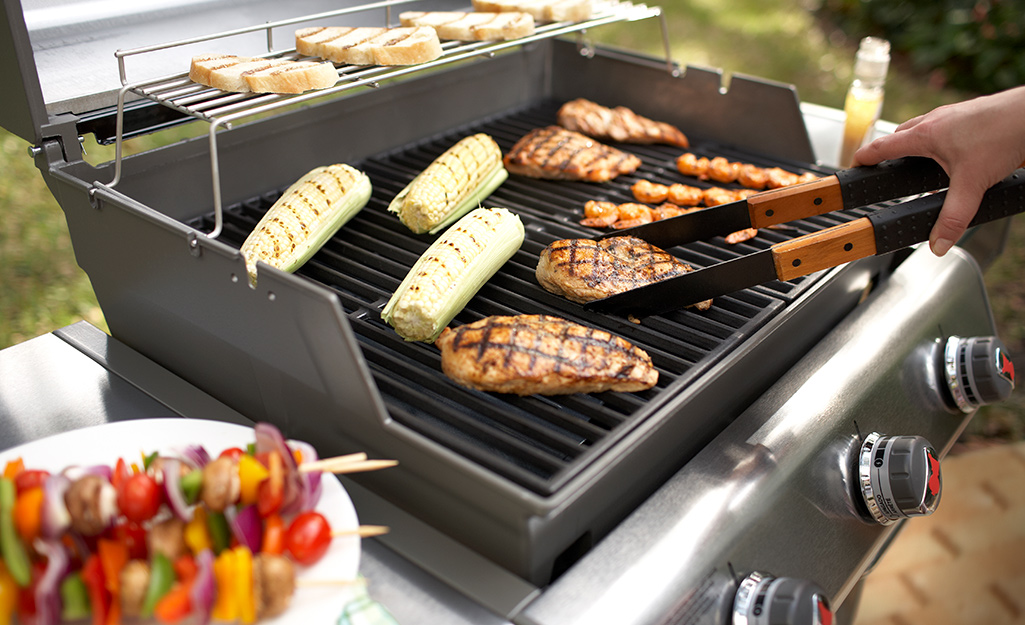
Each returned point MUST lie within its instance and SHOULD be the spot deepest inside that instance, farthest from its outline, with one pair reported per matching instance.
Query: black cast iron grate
(537, 442)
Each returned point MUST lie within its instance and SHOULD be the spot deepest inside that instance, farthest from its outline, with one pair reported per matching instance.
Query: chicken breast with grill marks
(583, 270)
(539, 354)
(555, 153)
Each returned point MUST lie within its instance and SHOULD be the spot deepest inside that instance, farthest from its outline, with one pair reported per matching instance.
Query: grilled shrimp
(691, 165)
(722, 170)
(684, 195)
(752, 176)
(649, 192)
(631, 215)
(600, 214)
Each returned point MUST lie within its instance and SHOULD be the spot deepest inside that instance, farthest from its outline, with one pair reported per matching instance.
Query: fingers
(959, 207)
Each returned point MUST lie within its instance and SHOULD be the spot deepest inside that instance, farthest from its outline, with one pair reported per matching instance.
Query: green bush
(973, 45)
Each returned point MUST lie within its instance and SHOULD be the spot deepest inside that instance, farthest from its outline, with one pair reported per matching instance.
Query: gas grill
(526, 509)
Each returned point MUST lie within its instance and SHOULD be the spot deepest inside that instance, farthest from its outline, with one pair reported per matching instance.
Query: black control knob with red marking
(899, 477)
(762, 599)
(977, 371)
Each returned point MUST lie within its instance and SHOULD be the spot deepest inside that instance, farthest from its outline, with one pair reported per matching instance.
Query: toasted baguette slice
(310, 41)
(407, 46)
(540, 10)
(203, 65)
(337, 49)
(231, 77)
(294, 77)
(473, 25)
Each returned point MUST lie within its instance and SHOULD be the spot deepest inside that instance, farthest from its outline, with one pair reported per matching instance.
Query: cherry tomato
(233, 453)
(134, 537)
(30, 478)
(308, 537)
(139, 497)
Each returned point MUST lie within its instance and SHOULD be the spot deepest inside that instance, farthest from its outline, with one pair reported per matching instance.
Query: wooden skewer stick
(349, 467)
(363, 531)
(324, 463)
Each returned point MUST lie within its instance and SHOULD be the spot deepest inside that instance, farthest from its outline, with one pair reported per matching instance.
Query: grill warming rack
(221, 109)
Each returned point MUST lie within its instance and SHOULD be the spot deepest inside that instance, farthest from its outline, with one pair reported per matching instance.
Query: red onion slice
(204, 587)
(173, 489)
(246, 526)
(269, 438)
(56, 519)
(47, 593)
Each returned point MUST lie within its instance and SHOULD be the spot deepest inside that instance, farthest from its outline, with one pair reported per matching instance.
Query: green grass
(781, 40)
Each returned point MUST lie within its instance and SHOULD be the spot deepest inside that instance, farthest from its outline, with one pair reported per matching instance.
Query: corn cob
(454, 184)
(451, 272)
(306, 215)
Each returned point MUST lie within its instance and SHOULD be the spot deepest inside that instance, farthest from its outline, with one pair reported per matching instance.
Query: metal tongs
(884, 230)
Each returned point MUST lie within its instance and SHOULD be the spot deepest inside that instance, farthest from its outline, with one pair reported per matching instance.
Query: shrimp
(649, 192)
(632, 214)
(741, 235)
(690, 165)
(715, 196)
(780, 178)
(722, 170)
(600, 214)
(684, 195)
(807, 177)
(752, 176)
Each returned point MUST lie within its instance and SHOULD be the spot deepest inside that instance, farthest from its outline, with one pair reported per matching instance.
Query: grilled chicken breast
(538, 354)
(559, 154)
(583, 270)
(617, 124)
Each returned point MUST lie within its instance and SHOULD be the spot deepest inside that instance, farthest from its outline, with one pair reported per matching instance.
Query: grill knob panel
(899, 477)
(977, 371)
(762, 599)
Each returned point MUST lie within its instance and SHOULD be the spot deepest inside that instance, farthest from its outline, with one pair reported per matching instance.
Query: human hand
(978, 142)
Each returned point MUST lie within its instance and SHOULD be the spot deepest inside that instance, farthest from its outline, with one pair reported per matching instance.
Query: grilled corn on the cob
(455, 183)
(306, 215)
(451, 272)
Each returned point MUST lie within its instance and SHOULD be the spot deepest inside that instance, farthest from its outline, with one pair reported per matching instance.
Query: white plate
(321, 591)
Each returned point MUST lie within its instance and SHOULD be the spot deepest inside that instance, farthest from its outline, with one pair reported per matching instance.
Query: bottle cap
(873, 59)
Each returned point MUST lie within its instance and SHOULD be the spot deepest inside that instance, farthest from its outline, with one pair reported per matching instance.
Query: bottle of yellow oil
(865, 96)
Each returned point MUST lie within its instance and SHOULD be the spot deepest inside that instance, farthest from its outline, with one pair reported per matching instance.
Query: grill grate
(537, 442)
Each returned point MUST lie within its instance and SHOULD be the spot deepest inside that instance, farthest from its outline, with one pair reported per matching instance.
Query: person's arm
(978, 142)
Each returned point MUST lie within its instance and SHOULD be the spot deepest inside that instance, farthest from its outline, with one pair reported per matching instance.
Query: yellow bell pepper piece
(225, 606)
(244, 585)
(197, 536)
(250, 473)
(8, 595)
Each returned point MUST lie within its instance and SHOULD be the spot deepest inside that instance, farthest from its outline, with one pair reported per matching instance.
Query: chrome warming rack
(222, 109)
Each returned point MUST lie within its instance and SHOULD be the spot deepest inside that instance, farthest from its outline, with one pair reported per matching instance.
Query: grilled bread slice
(295, 77)
(310, 41)
(472, 25)
(396, 46)
(539, 354)
(540, 10)
(337, 49)
(243, 74)
(555, 153)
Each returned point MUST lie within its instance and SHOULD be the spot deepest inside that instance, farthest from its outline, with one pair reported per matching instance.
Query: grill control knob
(763, 599)
(899, 477)
(978, 371)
